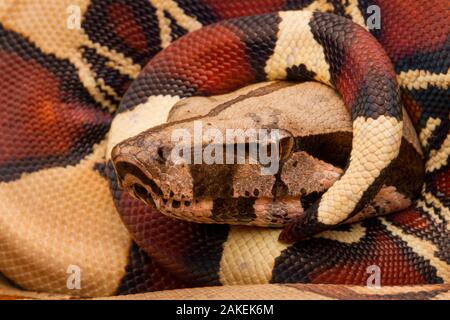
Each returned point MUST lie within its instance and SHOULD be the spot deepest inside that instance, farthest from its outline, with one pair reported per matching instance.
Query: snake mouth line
(141, 193)
(133, 179)
(160, 202)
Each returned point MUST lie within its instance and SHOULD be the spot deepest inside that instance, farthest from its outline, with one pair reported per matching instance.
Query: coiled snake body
(60, 88)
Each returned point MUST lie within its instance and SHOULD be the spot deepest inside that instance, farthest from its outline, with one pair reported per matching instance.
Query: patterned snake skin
(69, 95)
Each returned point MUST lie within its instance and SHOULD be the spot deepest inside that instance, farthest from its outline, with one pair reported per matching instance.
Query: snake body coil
(60, 90)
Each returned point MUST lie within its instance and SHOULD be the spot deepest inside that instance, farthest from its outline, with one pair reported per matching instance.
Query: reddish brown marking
(231, 9)
(410, 218)
(126, 27)
(174, 244)
(409, 27)
(413, 108)
(213, 60)
(34, 120)
(364, 58)
(143, 274)
(152, 230)
(441, 183)
(385, 253)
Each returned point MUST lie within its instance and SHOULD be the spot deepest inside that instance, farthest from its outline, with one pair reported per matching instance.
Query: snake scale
(77, 103)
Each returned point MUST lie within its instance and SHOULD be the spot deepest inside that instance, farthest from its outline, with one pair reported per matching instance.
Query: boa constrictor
(61, 86)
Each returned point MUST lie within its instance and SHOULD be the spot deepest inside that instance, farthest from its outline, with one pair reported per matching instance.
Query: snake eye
(286, 147)
(141, 193)
(283, 141)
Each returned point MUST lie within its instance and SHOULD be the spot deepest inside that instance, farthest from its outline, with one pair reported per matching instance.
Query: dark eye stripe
(124, 168)
(333, 147)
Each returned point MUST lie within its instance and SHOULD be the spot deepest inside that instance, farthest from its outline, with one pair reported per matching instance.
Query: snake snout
(136, 181)
(133, 175)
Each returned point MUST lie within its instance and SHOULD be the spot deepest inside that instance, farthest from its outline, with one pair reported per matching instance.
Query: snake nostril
(140, 190)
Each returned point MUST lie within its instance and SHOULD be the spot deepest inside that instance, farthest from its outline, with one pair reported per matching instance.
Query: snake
(91, 89)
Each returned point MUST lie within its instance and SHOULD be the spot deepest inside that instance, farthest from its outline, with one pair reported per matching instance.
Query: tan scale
(351, 9)
(185, 21)
(439, 158)
(300, 292)
(427, 131)
(422, 79)
(40, 238)
(360, 175)
(296, 48)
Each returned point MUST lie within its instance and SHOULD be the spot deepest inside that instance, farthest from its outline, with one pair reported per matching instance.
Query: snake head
(228, 172)
(186, 174)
